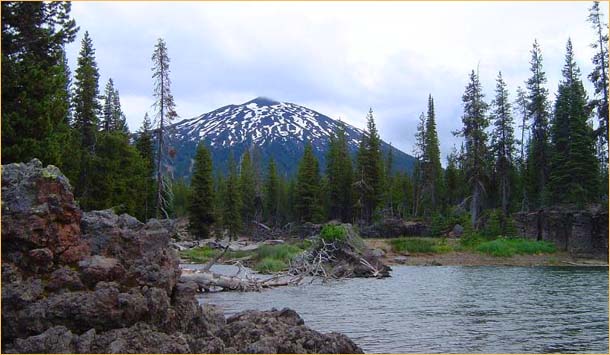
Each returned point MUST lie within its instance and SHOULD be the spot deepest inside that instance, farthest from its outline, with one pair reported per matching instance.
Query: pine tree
(599, 78)
(307, 190)
(370, 170)
(166, 112)
(573, 175)
(232, 217)
(35, 80)
(538, 157)
(272, 194)
(247, 187)
(86, 108)
(145, 146)
(107, 110)
(419, 152)
(201, 204)
(116, 176)
(339, 172)
(119, 121)
(431, 165)
(503, 141)
(521, 108)
(389, 184)
(86, 104)
(475, 123)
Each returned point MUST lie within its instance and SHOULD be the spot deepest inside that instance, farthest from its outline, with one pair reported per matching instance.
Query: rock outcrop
(95, 282)
(394, 228)
(577, 231)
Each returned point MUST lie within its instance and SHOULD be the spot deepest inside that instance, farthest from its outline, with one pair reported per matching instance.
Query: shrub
(504, 247)
(199, 255)
(412, 245)
(283, 252)
(268, 265)
(471, 240)
(332, 233)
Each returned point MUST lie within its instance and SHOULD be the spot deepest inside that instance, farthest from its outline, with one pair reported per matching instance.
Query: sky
(338, 58)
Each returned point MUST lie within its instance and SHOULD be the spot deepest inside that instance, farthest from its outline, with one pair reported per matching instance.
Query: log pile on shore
(95, 282)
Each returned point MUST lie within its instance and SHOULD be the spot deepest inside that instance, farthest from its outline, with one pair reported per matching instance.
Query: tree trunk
(474, 205)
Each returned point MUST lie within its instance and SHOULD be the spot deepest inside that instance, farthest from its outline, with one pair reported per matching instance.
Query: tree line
(62, 119)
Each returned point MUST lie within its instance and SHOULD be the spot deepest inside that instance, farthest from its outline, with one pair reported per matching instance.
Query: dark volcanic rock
(394, 228)
(580, 232)
(96, 282)
(280, 332)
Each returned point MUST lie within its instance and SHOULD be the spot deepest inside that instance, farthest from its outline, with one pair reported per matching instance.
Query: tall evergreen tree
(431, 165)
(119, 121)
(573, 175)
(419, 152)
(232, 217)
(35, 80)
(86, 91)
(370, 169)
(107, 110)
(389, 184)
(166, 112)
(599, 77)
(272, 194)
(475, 123)
(145, 145)
(86, 108)
(247, 188)
(503, 141)
(307, 194)
(538, 113)
(201, 204)
(521, 108)
(339, 172)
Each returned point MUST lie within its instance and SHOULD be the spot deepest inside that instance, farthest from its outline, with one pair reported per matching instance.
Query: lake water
(445, 309)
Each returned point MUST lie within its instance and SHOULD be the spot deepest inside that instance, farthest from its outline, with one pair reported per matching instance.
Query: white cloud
(339, 58)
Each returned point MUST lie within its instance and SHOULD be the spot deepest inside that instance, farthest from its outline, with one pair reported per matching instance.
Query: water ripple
(452, 309)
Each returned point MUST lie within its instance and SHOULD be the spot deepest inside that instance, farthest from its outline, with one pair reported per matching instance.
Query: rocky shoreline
(95, 282)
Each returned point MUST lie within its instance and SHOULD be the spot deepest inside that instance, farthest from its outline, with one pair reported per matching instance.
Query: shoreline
(466, 258)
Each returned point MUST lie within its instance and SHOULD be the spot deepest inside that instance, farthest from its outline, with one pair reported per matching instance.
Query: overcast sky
(338, 58)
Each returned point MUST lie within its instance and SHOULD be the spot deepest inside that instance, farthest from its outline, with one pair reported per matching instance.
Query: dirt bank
(466, 258)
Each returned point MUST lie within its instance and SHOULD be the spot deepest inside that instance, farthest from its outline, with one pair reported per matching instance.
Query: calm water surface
(452, 309)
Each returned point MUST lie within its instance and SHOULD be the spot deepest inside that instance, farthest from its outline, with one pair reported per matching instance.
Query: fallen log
(207, 281)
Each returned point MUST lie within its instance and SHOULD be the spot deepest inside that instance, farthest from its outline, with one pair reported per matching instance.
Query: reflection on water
(452, 309)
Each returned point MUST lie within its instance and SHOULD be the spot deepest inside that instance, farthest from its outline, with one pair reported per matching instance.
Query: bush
(504, 247)
(471, 240)
(497, 224)
(332, 233)
(199, 255)
(283, 252)
(412, 245)
(268, 265)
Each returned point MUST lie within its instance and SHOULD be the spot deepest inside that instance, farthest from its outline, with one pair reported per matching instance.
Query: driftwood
(209, 281)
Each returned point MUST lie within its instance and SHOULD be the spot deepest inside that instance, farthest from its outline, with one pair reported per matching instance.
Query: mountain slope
(270, 129)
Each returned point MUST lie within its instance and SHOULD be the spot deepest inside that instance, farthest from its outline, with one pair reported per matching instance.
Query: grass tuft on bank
(265, 259)
(507, 247)
(420, 245)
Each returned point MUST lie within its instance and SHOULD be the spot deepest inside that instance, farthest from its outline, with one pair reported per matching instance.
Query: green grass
(267, 258)
(269, 265)
(332, 233)
(421, 245)
(505, 247)
(199, 255)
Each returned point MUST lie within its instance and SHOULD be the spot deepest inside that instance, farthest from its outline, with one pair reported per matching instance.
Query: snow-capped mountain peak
(277, 129)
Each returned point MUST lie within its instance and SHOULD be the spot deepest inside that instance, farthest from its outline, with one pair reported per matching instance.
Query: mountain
(269, 128)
